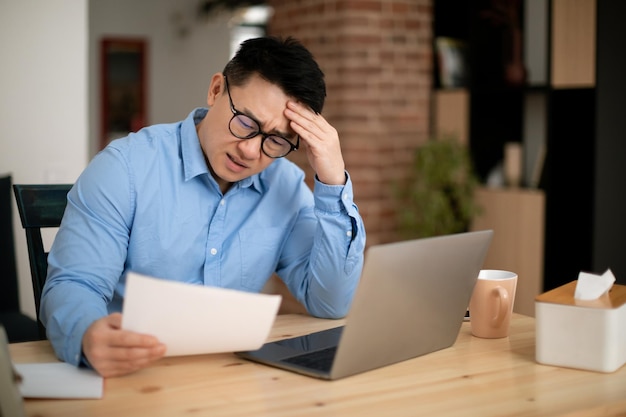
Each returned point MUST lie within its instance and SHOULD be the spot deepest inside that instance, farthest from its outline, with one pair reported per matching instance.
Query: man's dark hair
(285, 63)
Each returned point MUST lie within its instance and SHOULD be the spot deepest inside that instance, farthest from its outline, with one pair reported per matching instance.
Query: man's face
(232, 159)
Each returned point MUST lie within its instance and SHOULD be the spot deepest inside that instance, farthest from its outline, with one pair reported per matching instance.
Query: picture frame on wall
(123, 87)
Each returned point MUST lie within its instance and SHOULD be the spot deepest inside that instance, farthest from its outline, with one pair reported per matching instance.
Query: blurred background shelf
(567, 115)
(516, 216)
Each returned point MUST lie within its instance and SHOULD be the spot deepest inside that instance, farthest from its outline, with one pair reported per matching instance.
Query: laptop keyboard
(321, 360)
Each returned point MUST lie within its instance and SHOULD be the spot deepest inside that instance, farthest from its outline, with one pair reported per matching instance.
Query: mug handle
(503, 306)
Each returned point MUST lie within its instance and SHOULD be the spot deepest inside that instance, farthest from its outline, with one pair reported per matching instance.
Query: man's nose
(251, 148)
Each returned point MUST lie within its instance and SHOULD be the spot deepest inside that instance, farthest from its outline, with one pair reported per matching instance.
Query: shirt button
(222, 202)
(345, 196)
(349, 233)
(213, 251)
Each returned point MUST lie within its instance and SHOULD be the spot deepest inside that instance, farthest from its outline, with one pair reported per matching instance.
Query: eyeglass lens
(245, 127)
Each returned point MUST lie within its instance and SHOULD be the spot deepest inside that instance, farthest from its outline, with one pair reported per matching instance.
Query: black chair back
(18, 326)
(9, 297)
(40, 206)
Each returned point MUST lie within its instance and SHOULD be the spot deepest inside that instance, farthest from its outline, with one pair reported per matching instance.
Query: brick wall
(377, 58)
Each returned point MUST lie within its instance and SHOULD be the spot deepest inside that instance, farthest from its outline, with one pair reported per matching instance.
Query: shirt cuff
(334, 198)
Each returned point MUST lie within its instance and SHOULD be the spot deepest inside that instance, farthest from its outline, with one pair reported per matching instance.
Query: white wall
(49, 83)
(43, 101)
(179, 66)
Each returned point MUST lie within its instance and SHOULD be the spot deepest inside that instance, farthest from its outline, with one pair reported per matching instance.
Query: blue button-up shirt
(148, 203)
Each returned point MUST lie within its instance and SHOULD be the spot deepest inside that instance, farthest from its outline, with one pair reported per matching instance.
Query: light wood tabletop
(474, 377)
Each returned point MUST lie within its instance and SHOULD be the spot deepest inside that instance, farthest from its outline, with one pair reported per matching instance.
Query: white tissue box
(573, 333)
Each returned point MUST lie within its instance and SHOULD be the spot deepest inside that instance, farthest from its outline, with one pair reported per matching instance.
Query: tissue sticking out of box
(592, 286)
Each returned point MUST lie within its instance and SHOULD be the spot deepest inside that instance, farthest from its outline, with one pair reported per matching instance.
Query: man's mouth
(236, 161)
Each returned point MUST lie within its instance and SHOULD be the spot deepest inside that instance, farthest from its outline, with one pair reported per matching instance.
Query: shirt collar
(191, 152)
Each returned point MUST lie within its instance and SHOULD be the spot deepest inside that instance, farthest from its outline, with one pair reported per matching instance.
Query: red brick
(377, 57)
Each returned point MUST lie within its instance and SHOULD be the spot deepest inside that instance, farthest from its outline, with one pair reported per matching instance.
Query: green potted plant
(437, 198)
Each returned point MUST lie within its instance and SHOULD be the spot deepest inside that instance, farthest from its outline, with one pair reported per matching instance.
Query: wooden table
(475, 377)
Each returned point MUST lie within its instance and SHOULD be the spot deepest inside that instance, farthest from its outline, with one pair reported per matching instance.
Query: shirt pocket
(259, 251)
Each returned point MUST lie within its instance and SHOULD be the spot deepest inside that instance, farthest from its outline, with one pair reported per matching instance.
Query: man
(211, 201)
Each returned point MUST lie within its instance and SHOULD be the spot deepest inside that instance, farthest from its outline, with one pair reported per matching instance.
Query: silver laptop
(411, 300)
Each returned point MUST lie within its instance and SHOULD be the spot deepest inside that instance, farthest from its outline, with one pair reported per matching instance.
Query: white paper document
(58, 380)
(194, 319)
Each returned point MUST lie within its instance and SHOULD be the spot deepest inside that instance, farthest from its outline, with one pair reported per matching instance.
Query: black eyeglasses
(243, 126)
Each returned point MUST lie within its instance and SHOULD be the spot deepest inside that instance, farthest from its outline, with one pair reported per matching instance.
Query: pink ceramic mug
(491, 305)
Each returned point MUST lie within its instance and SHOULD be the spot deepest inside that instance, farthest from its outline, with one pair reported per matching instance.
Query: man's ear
(216, 88)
